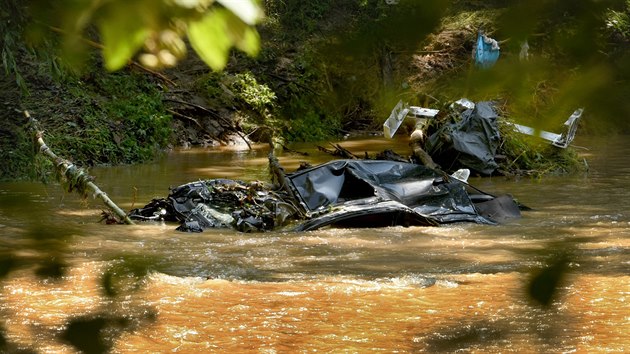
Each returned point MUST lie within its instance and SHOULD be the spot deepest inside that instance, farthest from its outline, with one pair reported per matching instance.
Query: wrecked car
(469, 137)
(339, 193)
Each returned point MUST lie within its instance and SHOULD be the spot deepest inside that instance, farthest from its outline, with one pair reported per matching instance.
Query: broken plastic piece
(524, 54)
(419, 112)
(395, 120)
(462, 104)
(486, 52)
(562, 140)
(462, 174)
(402, 111)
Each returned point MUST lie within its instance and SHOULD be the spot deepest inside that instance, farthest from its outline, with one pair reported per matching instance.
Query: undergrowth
(532, 156)
(318, 75)
(287, 112)
(115, 119)
(19, 154)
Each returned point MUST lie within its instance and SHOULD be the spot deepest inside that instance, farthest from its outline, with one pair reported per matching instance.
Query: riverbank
(296, 90)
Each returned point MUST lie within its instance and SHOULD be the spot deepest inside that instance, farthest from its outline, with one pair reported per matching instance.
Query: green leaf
(209, 38)
(214, 35)
(247, 10)
(191, 4)
(123, 33)
(245, 37)
(250, 42)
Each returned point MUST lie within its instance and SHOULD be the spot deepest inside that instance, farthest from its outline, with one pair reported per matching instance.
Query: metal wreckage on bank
(359, 193)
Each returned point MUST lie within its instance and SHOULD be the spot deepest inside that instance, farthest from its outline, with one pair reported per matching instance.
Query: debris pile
(220, 203)
(340, 193)
(468, 135)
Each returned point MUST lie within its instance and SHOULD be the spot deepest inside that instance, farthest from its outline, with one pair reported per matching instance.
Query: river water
(64, 278)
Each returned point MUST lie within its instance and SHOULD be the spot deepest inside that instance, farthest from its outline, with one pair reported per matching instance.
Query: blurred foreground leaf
(544, 285)
(246, 10)
(85, 334)
(7, 263)
(213, 36)
(153, 29)
(122, 32)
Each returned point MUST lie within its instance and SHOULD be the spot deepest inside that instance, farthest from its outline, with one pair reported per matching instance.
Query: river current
(68, 282)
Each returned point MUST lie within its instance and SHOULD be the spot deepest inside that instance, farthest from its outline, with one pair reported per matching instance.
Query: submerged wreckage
(340, 193)
(364, 193)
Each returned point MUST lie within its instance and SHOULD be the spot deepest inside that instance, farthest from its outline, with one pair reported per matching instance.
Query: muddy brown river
(68, 282)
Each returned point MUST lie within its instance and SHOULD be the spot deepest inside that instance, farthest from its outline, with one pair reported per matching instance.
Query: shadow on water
(43, 250)
(467, 336)
(546, 251)
(539, 314)
(496, 335)
(40, 246)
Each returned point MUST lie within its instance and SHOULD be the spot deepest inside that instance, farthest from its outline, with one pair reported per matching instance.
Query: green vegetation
(21, 160)
(110, 119)
(294, 116)
(12, 20)
(618, 23)
(325, 68)
(156, 29)
(531, 156)
(257, 96)
(125, 125)
(309, 123)
(128, 125)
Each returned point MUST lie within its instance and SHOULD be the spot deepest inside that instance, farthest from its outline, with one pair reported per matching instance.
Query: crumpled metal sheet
(352, 189)
(340, 193)
(219, 203)
(471, 142)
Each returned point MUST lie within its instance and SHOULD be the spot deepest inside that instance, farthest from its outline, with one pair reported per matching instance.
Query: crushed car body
(339, 193)
(373, 193)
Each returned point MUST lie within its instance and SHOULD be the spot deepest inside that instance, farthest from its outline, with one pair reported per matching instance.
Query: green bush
(121, 120)
(258, 96)
(618, 22)
(20, 152)
(213, 86)
(305, 122)
(525, 155)
(297, 18)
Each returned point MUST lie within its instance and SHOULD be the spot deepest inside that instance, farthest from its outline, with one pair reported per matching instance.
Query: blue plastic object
(487, 51)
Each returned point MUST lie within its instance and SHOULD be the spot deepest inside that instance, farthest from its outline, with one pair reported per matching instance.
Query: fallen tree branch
(185, 117)
(279, 176)
(338, 151)
(286, 148)
(77, 178)
(423, 156)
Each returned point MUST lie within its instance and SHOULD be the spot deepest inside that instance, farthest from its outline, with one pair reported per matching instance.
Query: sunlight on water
(459, 287)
